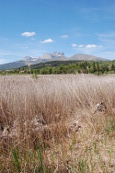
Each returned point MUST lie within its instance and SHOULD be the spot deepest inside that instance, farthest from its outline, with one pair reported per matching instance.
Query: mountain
(55, 56)
(31, 61)
(11, 65)
(24, 62)
(85, 57)
(15, 64)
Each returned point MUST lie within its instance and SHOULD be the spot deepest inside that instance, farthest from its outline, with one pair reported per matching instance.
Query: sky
(35, 27)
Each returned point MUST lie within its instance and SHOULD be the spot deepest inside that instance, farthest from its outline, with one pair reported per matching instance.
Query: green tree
(113, 67)
(94, 67)
(98, 68)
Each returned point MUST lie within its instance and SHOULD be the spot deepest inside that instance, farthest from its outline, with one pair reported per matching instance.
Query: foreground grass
(52, 124)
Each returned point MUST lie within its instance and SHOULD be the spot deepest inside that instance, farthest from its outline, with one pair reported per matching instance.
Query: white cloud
(64, 36)
(88, 46)
(100, 46)
(78, 46)
(49, 40)
(74, 45)
(81, 45)
(28, 34)
(91, 46)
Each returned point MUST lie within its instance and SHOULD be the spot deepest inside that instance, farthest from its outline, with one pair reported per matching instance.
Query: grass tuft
(57, 123)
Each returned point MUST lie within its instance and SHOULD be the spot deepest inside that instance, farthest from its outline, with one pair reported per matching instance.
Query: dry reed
(52, 124)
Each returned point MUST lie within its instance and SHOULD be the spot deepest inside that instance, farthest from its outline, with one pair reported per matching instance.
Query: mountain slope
(85, 57)
(55, 56)
(11, 65)
(31, 61)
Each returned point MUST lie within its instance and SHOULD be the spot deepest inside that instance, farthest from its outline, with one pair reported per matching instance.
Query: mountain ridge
(55, 56)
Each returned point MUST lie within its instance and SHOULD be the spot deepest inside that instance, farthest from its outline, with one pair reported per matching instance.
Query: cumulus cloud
(28, 34)
(64, 36)
(100, 46)
(88, 46)
(91, 46)
(81, 45)
(49, 40)
(74, 45)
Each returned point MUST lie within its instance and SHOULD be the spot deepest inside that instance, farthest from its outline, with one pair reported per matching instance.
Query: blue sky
(35, 27)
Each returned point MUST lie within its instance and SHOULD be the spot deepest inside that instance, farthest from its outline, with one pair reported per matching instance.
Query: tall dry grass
(52, 124)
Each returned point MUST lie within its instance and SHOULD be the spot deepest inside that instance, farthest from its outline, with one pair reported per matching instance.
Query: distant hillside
(53, 56)
(85, 57)
(48, 57)
(11, 65)
(53, 64)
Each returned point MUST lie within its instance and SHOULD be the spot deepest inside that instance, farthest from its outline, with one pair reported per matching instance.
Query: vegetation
(67, 67)
(57, 123)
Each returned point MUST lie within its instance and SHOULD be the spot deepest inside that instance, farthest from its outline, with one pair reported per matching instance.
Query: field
(57, 124)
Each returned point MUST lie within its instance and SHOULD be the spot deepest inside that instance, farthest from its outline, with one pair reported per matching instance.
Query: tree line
(59, 67)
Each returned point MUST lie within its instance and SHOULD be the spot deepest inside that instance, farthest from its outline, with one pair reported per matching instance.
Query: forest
(66, 67)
